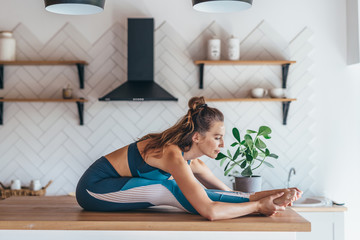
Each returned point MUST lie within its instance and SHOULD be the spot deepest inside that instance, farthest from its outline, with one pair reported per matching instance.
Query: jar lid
(6, 34)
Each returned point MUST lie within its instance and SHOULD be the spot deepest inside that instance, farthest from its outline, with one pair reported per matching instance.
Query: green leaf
(268, 164)
(227, 171)
(273, 155)
(261, 154)
(236, 134)
(242, 142)
(249, 158)
(264, 131)
(237, 153)
(226, 166)
(220, 156)
(249, 141)
(222, 161)
(259, 143)
(234, 144)
(247, 172)
(250, 131)
(267, 152)
(243, 165)
(254, 153)
(229, 153)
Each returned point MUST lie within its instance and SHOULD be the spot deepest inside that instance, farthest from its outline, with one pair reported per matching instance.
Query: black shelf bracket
(285, 71)
(80, 106)
(1, 76)
(1, 112)
(285, 105)
(201, 72)
(285, 108)
(80, 68)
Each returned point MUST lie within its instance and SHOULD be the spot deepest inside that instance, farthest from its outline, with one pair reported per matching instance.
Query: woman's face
(211, 143)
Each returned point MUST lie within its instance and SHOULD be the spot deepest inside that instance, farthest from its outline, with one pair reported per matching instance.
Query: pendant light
(221, 6)
(75, 7)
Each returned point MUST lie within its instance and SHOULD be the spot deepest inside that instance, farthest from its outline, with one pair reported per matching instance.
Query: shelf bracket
(1, 112)
(1, 76)
(201, 72)
(80, 106)
(285, 71)
(80, 68)
(285, 108)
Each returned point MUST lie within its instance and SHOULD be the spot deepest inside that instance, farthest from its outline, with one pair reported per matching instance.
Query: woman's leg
(101, 188)
(129, 194)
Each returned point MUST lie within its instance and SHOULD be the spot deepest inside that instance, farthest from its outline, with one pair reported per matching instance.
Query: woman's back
(130, 162)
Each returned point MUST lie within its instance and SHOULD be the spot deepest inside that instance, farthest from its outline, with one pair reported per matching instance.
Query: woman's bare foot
(290, 195)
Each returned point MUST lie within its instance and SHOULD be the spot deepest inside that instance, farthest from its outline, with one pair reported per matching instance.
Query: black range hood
(140, 85)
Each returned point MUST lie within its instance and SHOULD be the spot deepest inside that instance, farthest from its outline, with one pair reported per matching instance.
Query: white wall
(335, 87)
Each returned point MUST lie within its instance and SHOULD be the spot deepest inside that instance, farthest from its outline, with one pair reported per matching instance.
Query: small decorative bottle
(67, 92)
(7, 46)
(214, 49)
(233, 48)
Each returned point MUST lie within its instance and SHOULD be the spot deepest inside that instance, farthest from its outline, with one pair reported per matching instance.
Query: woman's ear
(196, 137)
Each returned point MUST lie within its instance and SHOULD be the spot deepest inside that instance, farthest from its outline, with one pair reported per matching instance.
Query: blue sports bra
(139, 168)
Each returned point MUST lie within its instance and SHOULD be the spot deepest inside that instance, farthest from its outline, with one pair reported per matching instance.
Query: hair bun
(196, 103)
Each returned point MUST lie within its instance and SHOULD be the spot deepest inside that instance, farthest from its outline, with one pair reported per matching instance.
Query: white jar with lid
(233, 48)
(7, 46)
(214, 49)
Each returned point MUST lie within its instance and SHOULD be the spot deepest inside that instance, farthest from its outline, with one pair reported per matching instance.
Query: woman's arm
(198, 198)
(204, 175)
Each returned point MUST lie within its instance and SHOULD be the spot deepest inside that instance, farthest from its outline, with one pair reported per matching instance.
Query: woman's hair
(199, 118)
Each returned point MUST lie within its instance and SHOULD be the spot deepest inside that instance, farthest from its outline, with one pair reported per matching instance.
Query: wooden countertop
(63, 213)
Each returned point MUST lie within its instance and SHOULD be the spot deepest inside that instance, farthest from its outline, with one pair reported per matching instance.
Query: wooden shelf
(42, 100)
(79, 102)
(244, 62)
(26, 62)
(285, 64)
(79, 63)
(250, 99)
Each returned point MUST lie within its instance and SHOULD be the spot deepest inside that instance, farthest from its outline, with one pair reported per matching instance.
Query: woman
(164, 169)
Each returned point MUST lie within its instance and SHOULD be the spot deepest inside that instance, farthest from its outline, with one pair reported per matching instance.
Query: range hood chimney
(140, 85)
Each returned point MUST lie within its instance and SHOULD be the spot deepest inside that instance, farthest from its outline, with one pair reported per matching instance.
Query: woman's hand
(290, 195)
(267, 205)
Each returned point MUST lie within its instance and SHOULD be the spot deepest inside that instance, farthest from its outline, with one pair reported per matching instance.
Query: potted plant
(250, 154)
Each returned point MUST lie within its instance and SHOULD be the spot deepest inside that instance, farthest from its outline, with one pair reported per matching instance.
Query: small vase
(7, 46)
(214, 49)
(67, 92)
(248, 184)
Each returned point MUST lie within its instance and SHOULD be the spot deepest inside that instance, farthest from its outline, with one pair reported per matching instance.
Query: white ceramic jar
(214, 49)
(35, 185)
(7, 46)
(233, 48)
(15, 184)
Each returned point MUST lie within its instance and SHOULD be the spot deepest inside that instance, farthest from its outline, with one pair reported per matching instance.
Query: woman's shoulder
(172, 150)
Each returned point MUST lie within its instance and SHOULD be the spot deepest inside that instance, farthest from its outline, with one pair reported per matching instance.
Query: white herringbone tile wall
(45, 141)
